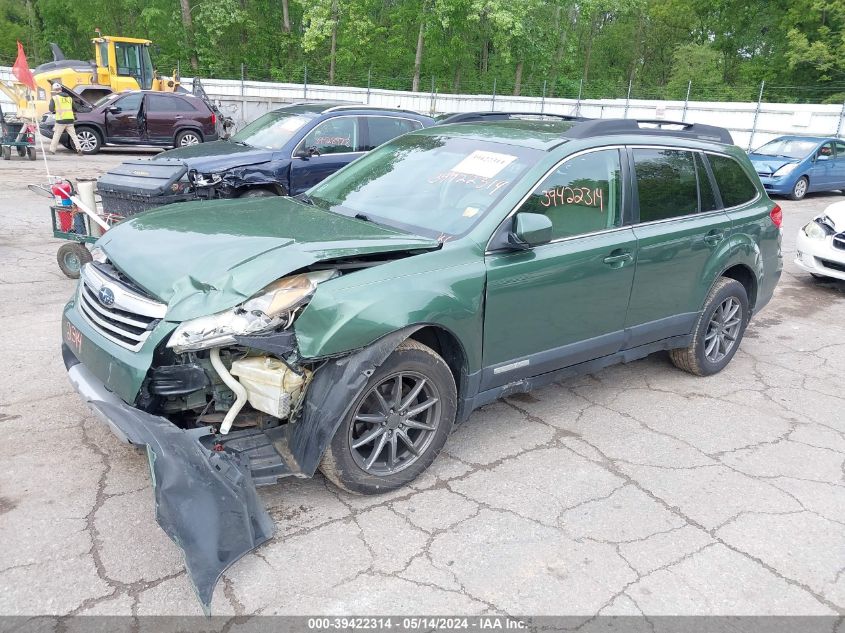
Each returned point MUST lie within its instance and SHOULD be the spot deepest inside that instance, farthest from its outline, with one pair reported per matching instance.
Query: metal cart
(16, 134)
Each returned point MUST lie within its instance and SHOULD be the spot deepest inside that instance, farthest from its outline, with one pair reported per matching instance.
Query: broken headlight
(205, 180)
(99, 255)
(271, 308)
(814, 231)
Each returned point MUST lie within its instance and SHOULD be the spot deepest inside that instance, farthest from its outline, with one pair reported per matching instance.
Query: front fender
(353, 311)
(269, 173)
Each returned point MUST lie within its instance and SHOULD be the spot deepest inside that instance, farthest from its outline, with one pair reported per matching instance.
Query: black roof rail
(653, 127)
(469, 117)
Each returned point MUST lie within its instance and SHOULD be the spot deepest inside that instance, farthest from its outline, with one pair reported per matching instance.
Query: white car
(821, 244)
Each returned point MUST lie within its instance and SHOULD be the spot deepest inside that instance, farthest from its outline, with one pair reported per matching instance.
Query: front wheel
(89, 140)
(718, 332)
(397, 426)
(799, 189)
(187, 138)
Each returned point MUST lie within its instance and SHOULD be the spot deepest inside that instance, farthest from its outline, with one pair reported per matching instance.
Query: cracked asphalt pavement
(636, 490)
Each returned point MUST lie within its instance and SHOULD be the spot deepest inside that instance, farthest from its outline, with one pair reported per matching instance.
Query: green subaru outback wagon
(351, 328)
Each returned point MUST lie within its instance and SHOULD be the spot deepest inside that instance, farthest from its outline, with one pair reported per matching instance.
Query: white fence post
(686, 102)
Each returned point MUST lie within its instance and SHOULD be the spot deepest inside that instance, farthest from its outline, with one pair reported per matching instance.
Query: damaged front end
(226, 403)
(204, 479)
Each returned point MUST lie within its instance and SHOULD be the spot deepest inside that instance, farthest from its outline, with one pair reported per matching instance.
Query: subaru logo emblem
(106, 296)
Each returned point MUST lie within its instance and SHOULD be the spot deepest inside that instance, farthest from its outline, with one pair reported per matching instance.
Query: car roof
(802, 137)
(546, 135)
(542, 135)
(324, 107)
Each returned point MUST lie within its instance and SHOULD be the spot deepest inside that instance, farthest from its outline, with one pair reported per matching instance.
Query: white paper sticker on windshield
(484, 164)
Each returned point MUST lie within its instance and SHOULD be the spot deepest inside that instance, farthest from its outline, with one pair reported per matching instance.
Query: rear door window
(582, 195)
(383, 129)
(667, 184)
(734, 185)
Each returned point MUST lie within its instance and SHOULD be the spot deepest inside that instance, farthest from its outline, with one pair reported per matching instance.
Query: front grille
(832, 265)
(128, 320)
(839, 241)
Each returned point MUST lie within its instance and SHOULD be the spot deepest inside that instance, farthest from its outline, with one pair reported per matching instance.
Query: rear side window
(666, 183)
(159, 103)
(581, 196)
(383, 129)
(735, 186)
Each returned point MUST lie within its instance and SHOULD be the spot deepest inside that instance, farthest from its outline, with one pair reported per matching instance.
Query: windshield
(436, 185)
(274, 129)
(106, 99)
(788, 148)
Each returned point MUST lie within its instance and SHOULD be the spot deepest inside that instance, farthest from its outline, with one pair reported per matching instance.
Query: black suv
(283, 152)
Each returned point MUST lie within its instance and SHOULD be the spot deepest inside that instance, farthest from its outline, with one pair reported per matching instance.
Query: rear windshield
(274, 129)
(434, 185)
(788, 148)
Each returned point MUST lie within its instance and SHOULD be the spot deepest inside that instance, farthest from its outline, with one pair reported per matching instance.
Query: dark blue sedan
(793, 166)
(284, 152)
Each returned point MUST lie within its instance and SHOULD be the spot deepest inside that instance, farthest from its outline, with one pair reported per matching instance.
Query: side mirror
(530, 230)
(113, 109)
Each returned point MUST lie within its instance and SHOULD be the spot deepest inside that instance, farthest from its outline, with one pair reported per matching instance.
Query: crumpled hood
(204, 257)
(769, 164)
(836, 214)
(218, 156)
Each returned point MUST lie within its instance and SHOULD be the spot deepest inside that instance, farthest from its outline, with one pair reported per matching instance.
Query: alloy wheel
(800, 188)
(723, 330)
(87, 140)
(394, 424)
(189, 139)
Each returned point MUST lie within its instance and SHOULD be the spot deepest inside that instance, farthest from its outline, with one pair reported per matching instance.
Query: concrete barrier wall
(750, 126)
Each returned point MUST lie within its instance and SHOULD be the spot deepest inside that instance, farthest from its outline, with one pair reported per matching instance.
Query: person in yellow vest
(62, 106)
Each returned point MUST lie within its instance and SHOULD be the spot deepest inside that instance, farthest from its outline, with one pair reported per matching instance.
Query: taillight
(777, 216)
(213, 119)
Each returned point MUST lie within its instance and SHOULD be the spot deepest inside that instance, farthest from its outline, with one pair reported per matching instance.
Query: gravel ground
(636, 490)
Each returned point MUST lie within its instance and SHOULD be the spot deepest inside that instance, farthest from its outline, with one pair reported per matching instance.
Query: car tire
(186, 138)
(72, 257)
(7, 152)
(799, 189)
(353, 467)
(258, 193)
(30, 153)
(724, 318)
(89, 140)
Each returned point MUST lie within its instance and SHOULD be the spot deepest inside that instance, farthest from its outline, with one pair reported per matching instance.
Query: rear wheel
(21, 150)
(7, 152)
(30, 153)
(397, 426)
(718, 332)
(187, 138)
(89, 140)
(799, 189)
(72, 257)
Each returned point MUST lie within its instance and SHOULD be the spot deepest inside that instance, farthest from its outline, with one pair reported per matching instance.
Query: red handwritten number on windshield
(584, 196)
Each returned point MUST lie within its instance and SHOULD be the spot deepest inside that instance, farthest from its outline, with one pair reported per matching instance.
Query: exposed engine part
(271, 386)
(234, 385)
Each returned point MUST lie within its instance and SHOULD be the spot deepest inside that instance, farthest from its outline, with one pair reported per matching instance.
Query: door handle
(714, 237)
(618, 258)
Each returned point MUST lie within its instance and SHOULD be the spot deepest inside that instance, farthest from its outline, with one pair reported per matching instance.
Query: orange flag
(21, 70)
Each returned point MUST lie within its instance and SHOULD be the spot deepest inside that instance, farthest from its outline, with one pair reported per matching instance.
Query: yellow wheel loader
(120, 63)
